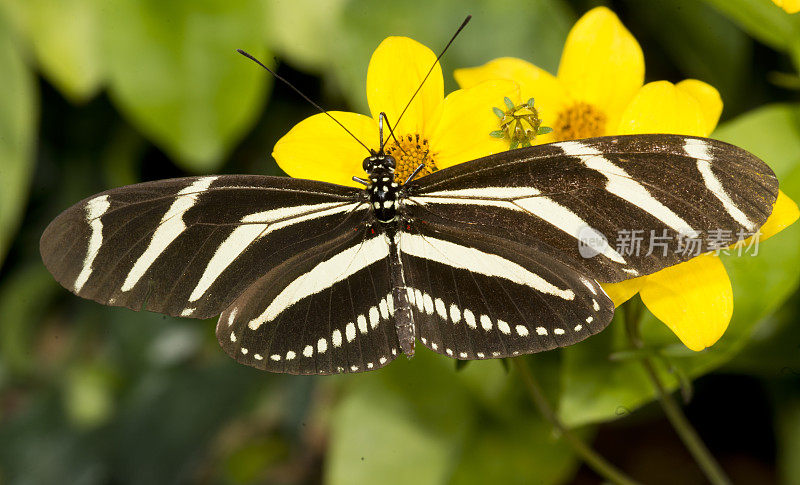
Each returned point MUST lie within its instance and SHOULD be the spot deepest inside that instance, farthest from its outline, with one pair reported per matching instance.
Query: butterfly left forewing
(190, 246)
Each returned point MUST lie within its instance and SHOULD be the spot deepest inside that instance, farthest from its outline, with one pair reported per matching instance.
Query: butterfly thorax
(382, 189)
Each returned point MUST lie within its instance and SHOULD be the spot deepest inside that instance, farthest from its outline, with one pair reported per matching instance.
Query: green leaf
(512, 443)
(88, 399)
(301, 32)
(175, 74)
(709, 47)
(771, 132)
(597, 389)
(66, 37)
(393, 427)
(762, 19)
(519, 451)
(787, 430)
(18, 118)
(532, 30)
(24, 295)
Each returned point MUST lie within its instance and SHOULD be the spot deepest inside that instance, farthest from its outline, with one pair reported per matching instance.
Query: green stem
(589, 456)
(702, 456)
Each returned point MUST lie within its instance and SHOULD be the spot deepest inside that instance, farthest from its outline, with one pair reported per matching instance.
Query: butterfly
(485, 259)
(492, 258)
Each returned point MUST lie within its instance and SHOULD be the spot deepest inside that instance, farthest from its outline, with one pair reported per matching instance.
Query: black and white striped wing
(476, 296)
(663, 189)
(191, 246)
(326, 310)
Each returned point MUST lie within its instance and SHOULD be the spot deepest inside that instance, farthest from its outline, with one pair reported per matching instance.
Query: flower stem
(702, 456)
(589, 456)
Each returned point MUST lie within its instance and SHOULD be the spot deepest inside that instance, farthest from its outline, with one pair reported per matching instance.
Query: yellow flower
(599, 91)
(791, 6)
(442, 131)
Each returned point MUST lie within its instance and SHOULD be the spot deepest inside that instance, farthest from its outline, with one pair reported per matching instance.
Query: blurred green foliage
(98, 94)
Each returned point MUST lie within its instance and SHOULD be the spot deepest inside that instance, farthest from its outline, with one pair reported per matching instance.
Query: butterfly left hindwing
(323, 311)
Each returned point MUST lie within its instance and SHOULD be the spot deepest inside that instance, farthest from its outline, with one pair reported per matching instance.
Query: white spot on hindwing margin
(441, 310)
(232, 316)
(455, 313)
(336, 338)
(469, 318)
(374, 317)
(427, 303)
(503, 326)
(384, 308)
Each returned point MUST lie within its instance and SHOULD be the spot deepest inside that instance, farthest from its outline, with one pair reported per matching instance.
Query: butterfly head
(378, 164)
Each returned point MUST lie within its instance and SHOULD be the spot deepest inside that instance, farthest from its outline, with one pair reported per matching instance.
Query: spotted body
(382, 189)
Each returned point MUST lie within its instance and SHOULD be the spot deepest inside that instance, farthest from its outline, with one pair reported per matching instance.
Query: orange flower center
(581, 120)
(412, 150)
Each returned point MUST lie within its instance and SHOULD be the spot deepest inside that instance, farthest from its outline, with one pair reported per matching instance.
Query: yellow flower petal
(319, 149)
(660, 107)
(784, 214)
(466, 121)
(624, 290)
(694, 299)
(550, 96)
(396, 69)
(602, 64)
(709, 99)
(791, 6)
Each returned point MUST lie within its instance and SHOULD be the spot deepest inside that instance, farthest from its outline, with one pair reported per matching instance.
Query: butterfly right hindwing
(476, 296)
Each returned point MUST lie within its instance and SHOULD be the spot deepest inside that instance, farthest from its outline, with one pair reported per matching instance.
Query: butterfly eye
(366, 163)
(388, 160)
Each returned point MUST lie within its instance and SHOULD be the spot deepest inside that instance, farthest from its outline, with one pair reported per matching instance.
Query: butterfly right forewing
(554, 197)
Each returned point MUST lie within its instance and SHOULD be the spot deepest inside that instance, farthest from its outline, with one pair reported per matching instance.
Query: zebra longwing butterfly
(480, 260)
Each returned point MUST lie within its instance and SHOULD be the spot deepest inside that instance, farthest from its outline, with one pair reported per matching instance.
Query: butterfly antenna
(391, 133)
(320, 108)
(463, 24)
